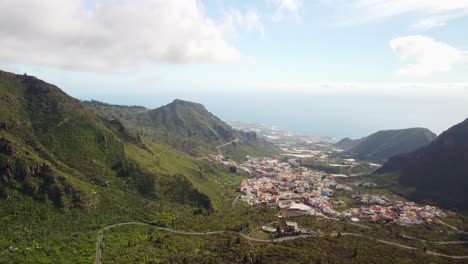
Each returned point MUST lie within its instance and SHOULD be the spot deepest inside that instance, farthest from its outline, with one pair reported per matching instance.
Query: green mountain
(186, 126)
(347, 143)
(438, 171)
(384, 144)
(67, 175)
(57, 150)
(188, 119)
(51, 146)
(66, 172)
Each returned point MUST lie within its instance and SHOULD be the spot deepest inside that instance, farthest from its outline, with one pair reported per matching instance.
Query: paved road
(415, 248)
(235, 200)
(236, 140)
(276, 240)
(101, 236)
(456, 229)
(435, 242)
(351, 223)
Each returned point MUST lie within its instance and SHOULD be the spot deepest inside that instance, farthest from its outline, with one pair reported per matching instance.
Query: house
(290, 227)
(269, 229)
(297, 209)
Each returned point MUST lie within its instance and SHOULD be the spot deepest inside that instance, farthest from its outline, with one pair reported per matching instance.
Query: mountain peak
(437, 171)
(384, 144)
(184, 102)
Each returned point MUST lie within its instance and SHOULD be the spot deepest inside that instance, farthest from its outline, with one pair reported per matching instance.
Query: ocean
(318, 115)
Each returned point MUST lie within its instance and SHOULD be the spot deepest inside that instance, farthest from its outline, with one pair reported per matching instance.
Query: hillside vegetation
(438, 171)
(65, 172)
(186, 126)
(384, 144)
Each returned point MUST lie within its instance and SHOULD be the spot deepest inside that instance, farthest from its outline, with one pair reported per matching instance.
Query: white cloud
(429, 56)
(250, 21)
(434, 13)
(427, 24)
(283, 6)
(290, 5)
(116, 34)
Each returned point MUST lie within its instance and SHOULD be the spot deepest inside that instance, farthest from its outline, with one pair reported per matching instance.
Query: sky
(322, 67)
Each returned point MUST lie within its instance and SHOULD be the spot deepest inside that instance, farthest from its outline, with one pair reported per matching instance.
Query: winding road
(236, 140)
(456, 229)
(276, 240)
(435, 242)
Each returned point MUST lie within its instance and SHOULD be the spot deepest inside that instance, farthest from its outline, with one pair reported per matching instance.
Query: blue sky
(129, 51)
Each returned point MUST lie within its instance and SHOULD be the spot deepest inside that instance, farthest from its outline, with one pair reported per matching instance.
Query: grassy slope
(51, 146)
(185, 126)
(46, 234)
(254, 148)
(155, 246)
(65, 173)
(96, 193)
(385, 144)
(439, 170)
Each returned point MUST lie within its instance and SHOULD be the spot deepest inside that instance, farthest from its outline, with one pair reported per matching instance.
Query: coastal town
(312, 178)
(299, 191)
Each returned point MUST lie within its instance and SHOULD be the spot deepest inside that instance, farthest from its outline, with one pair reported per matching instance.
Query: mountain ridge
(56, 149)
(438, 171)
(186, 126)
(384, 144)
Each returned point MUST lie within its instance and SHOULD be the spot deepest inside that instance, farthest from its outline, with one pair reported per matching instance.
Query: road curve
(436, 242)
(276, 240)
(454, 228)
(223, 145)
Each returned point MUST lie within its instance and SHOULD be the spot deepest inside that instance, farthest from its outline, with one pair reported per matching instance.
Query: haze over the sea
(325, 115)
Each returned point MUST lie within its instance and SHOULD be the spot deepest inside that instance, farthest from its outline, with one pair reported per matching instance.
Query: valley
(310, 204)
(86, 181)
(233, 132)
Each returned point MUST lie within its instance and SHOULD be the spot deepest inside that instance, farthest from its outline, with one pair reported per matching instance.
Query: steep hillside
(438, 171)
(65, 173)
(347, 143)
(51, 146)
(384, 144)
(186, 126)
(59, 151)
(188, 119)
(250, 145)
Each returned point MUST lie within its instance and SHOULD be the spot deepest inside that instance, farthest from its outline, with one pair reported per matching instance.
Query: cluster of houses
(298, 191)
(372, 199)
(403, 213)
(293, 189)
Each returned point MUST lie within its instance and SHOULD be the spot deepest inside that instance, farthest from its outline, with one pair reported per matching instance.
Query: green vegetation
(136, 244)
(185, 126)
(437, 172)
(249, 145)
(155, 246)
(360, 169)
(384, 144)
(66, 173)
